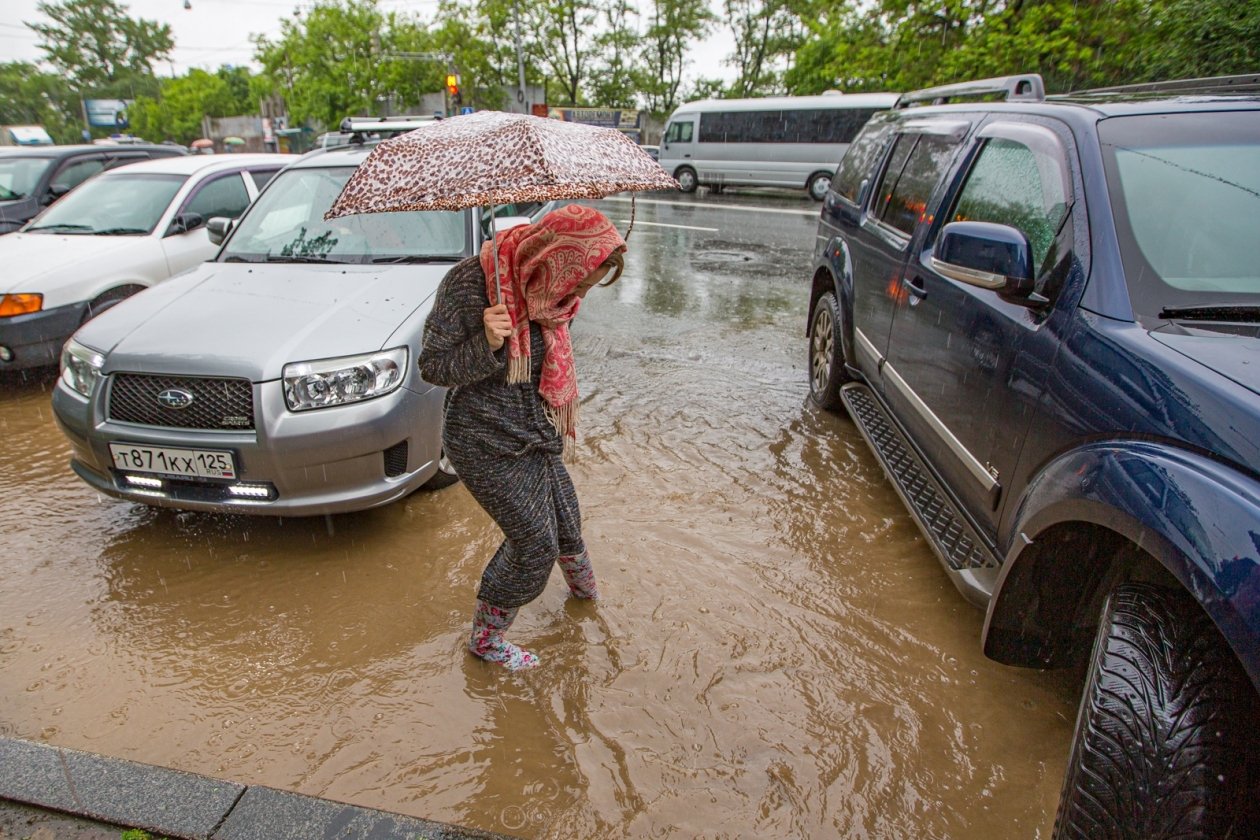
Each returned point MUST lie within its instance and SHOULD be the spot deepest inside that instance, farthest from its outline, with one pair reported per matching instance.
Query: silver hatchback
(279, 378)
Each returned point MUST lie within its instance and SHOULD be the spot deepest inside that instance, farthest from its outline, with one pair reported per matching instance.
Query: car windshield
(19, 176)
(1185, 190)
(111, 205)
(287, 224)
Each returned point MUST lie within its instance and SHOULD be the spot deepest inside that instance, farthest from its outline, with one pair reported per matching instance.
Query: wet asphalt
(777, 652)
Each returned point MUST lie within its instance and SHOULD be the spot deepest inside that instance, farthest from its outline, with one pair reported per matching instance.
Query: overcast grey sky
(216, 32)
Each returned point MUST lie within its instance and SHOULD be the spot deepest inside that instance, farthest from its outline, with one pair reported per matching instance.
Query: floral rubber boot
(580, 576)
(487, 642)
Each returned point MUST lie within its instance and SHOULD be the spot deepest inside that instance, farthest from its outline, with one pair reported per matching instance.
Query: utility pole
(520, 58)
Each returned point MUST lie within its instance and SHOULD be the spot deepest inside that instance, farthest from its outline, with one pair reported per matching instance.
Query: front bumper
(325, 461)
(36, 339)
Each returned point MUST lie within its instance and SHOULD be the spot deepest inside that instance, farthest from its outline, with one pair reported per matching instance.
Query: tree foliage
(673, 27)
(31, 96)
(1074, 44)
(98, 46)
(340, 59)
(176, 113)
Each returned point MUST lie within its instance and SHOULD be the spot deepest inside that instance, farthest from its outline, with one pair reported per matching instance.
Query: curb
(193, 807)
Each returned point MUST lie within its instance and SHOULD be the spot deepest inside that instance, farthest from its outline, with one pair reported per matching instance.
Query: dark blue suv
(1043, 313)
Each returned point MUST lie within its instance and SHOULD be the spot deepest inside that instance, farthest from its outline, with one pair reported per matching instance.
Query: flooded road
(777, 652)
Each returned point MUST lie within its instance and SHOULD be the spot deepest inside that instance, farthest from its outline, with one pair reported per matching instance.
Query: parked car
(24, 135)
(777, 141)
(1042, 314)
(33, 177)
(654, 152)
(281, 378)
(117, 234)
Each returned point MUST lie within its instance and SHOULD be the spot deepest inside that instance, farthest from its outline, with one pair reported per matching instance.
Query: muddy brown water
(777, 652)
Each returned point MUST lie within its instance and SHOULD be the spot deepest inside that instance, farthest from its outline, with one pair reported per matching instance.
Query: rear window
(858, 162)
(1185, 190)
(821, 125)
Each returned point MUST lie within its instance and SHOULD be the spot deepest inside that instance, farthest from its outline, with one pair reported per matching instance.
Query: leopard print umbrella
(490, 158)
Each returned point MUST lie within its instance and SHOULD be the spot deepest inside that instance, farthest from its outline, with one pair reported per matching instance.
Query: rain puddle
(777, 653)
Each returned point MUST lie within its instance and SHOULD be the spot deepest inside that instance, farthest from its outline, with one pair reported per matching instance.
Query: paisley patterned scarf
(539, 267)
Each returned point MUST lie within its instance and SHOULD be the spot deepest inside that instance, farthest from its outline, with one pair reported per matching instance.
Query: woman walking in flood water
(512, 415)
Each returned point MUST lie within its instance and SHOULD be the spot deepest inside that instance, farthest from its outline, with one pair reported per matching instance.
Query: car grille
(217, 403)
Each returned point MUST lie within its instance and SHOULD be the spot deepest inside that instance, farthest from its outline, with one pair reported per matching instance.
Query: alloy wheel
(823, 349)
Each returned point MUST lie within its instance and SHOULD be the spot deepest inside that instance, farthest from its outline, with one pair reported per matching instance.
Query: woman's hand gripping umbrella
(512, 413)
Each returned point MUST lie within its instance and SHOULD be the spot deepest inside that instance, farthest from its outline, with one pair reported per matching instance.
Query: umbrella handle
(494, 247)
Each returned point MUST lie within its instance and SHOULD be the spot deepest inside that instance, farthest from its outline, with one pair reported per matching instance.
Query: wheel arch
(1126, 510)
(834, 273)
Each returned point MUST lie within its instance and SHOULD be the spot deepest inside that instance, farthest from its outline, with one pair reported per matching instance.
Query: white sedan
(116, 234)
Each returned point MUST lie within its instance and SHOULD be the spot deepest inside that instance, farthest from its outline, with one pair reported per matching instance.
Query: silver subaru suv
(279, 378)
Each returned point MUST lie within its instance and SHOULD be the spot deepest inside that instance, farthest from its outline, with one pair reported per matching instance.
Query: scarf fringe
(519, 368)
(564, 420)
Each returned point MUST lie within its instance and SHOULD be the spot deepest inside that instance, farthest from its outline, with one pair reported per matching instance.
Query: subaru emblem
(175, 398)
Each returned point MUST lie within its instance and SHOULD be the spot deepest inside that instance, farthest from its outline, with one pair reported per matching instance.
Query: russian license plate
(193, 463)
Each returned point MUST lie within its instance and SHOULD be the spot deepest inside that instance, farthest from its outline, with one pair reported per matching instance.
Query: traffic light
(452, 84)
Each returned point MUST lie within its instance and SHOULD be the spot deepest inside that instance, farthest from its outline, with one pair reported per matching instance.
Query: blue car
(1043, 314)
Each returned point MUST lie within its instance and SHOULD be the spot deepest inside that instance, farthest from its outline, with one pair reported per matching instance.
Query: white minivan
(116, 234)
(779, 141)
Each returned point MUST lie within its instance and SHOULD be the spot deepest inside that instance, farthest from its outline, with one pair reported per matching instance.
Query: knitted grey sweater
(484, 414)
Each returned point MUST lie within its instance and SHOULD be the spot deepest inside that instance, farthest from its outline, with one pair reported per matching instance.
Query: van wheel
(686, 178)
(818, 185)
(1163, 733)
(826, 354)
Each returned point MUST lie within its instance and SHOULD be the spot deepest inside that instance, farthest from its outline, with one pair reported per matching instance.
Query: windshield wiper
(410, 259)
(119, 231)
(1213, 312)
(299, 258)
(60, 227)
(238, 259)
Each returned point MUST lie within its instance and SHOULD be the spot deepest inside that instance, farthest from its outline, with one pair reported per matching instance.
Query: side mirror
(55, 192)
(184, 222)
(218, 228)
(991, 256)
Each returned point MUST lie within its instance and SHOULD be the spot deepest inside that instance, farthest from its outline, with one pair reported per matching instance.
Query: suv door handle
(915, 287)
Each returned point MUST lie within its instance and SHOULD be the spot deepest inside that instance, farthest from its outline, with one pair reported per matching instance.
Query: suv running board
(969, 563)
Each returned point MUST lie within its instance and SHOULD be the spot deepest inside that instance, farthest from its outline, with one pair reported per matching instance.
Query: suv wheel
(826, 354)
(818, 185)
(687, 181)
(1162, 736)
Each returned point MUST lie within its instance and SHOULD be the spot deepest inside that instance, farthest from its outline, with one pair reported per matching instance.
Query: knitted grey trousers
(531, 497)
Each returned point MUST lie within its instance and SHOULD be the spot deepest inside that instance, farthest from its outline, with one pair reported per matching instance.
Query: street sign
(466, 110)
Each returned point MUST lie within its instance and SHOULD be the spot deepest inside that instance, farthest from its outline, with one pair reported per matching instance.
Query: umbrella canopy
(489, 158)
(233, 141)
(201, 144)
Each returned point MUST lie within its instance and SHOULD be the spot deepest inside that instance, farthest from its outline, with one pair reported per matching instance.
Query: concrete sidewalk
(119, 794)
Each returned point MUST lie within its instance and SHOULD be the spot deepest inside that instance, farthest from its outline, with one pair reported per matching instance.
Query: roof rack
(351, 125)
(1024, 88)
(1243, 83)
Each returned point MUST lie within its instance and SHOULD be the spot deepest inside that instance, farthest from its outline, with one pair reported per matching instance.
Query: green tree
(481, 34)
(1073, 44)
(339, 60)
(766, 33)
(176, 114)
(674, 26)
(31, 96)
(613, 80)
(99, 47)
(568, 43)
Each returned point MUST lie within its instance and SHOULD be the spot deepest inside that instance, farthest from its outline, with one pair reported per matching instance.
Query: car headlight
(340, 381)
(81, 367)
